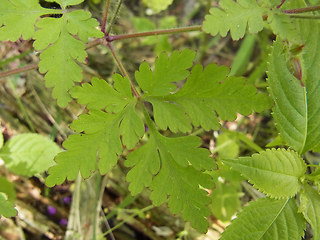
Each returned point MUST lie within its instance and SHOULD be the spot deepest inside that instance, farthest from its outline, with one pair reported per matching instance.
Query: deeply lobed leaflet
(170, 167)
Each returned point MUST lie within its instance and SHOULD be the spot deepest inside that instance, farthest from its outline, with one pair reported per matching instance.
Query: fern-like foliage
(101, 130)
(310, 207)
(275, 172)
(296, 90)
(60, 40)
(18, 17)
(267, 219)
(217, 94)
(173, 168)
(170, 159)
(241, 16)
(235, 17)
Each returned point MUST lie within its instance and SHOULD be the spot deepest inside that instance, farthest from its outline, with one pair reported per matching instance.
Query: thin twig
(153, 33)
(19, 70)
(35, 65)
(130, 217)
(122, 68)
(102, 188)
(304, 16)
(113, 19)
(95, 43)
(302, 10)
(282, 2)
(105, 16)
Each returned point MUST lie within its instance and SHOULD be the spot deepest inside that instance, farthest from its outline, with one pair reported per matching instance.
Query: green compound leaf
(29, 154)
(167, 70)
(177, 164)
(310, 207)
(297, 101)
(217, 94)
(18, 17)
(6, 207)
(242, 15)
(267, 219)
(62, 51)
(235, 17)
(275, 172)
(100, 95)
(157, 5)
(99, 144)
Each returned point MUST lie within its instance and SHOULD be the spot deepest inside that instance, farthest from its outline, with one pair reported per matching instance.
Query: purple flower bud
(67, 200)
(146, 129)
(51, 210)
(63, 222)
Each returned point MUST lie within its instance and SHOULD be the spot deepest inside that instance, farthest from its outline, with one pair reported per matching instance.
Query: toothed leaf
(98, 145)
(235, 17)
(267, 219)
(167, 70)
(310, 207)
(62, 52)
(217, 94)
(275, 172)
(18, 17)
(177, 164)
(296, 90)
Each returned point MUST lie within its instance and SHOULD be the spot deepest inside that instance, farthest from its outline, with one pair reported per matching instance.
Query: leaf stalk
(122, 69)
(302, 10)
(154, 33)
(105, 16)
(19, 70)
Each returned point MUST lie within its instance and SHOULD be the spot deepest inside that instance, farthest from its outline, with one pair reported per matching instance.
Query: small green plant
(174, 167)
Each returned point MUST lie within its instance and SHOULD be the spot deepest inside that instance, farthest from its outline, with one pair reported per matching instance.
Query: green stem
(74, 225)
(113, 19)
(122, 68)
(124, 221)
(153, 33)
(302, 10)
(96, 207)
(282, 2)
(105, 16)
(305, 16)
